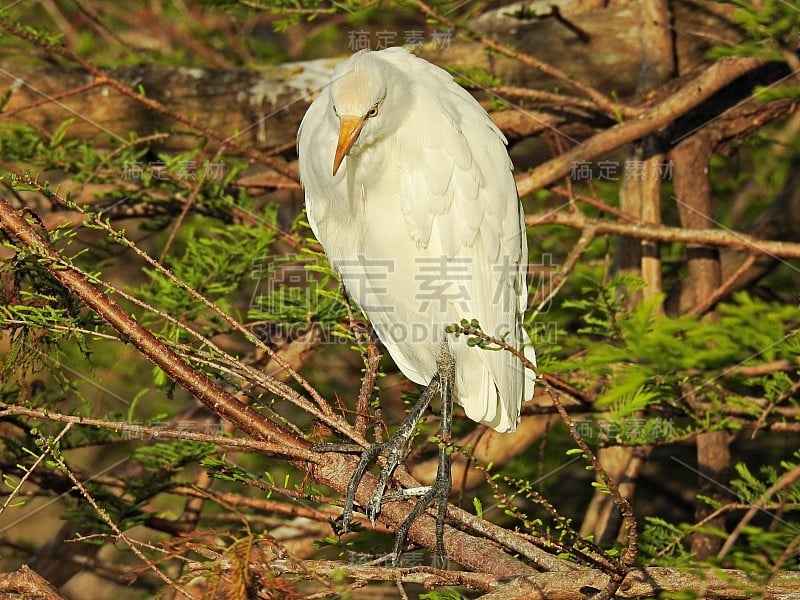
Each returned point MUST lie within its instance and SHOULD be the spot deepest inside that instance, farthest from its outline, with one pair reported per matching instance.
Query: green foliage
(160, 463)
(214, 261)
(23, 143)
(46, 325)
(38, 314)
(646, 379)
(444, 594)
(295, 291)
(476, 502)
(771, 27)
(472, 329)
(292, 12)
(660, 541)
(555, 528)
(225, 470)
(469, 77)
(646, 360)
(762, 542)
(171, 457)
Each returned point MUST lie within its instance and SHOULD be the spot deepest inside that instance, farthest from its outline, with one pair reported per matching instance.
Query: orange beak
(349, 128)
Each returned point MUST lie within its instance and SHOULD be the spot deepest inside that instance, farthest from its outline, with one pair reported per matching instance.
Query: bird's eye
(373, 111)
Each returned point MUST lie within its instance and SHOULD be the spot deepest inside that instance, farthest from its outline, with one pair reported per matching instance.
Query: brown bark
(262, 108)
(780, 222)
(693, 196)
(699, 102)
(26, 584)
(648, 583)
(651, 582)
(609, 56)
(640, 198)
(266, 107)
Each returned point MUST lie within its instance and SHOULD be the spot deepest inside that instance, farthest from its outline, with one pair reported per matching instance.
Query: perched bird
(409, 190)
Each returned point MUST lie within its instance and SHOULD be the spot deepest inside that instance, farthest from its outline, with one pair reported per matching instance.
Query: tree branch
(699, 89)
(711, 237)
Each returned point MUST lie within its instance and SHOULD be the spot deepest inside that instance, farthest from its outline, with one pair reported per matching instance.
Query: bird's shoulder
(455, 170)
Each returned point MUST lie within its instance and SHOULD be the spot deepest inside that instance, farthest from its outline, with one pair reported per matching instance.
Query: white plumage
(409, 189)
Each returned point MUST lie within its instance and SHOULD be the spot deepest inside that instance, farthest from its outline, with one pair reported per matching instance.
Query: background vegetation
(173, 340)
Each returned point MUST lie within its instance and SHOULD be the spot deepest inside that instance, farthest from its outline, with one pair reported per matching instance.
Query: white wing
(460, 200)
(314, 136)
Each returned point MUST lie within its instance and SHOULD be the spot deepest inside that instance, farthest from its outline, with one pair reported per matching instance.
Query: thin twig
(30, 470)
(106, 518)
(630, 552)
(587, 237)
(709, 302)
(783, 481)
(188, 204)
(160, 432)
(596, 202)
(54, 97)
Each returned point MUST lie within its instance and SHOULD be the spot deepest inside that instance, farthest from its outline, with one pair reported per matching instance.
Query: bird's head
(360, 102)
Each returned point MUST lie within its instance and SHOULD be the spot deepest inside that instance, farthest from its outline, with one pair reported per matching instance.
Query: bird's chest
(367, 216)
(370, 242)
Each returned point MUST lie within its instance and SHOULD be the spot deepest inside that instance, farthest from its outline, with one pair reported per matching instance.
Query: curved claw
(374, 507)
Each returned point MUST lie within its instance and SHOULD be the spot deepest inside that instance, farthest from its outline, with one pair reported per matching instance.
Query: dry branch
(676, 105)
(650, 583)
(246, 110)
(710, 237)
(575, 585)
(25, 583)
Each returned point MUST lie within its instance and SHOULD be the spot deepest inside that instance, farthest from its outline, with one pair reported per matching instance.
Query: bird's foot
(438, 494)
(394, 450)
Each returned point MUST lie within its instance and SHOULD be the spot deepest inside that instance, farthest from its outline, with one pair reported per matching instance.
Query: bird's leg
(394, 450)
(439, 492)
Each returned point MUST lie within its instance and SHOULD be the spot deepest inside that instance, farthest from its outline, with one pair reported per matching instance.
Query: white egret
(409, 189)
